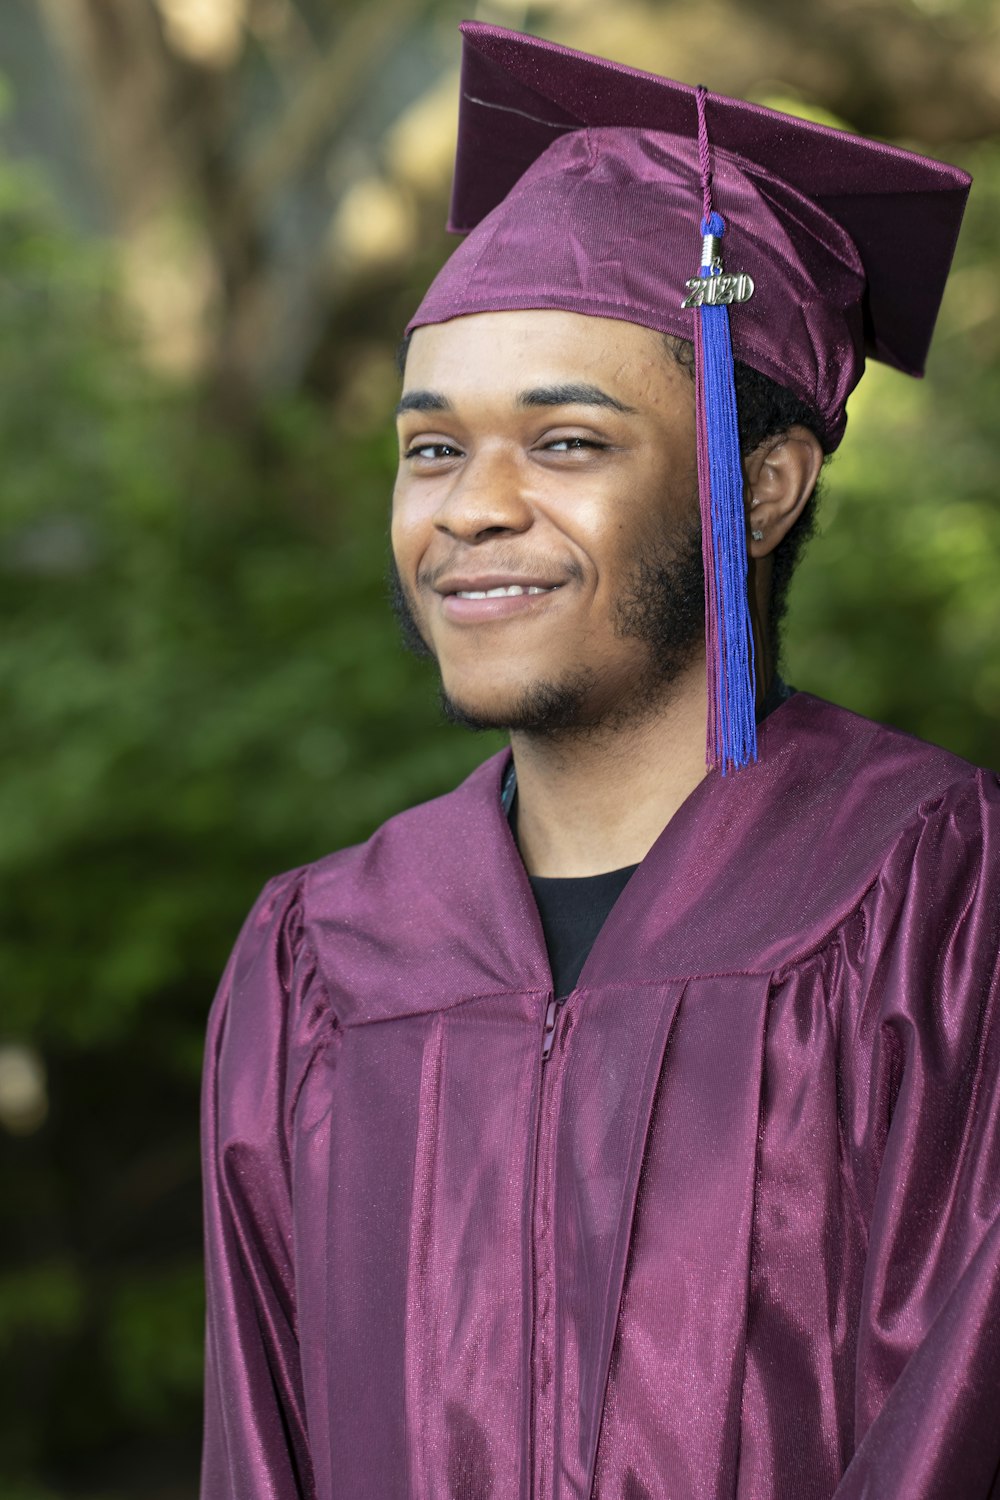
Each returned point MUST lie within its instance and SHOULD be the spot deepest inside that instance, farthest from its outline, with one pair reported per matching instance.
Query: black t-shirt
(573, 910)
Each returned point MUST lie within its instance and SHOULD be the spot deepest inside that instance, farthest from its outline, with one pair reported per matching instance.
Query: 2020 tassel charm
(731, 740)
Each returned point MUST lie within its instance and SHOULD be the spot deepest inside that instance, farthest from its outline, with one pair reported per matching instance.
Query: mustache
(498, 560)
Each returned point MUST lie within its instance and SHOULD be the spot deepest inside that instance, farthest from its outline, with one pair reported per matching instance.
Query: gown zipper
(551, 1017)
(543, 1372)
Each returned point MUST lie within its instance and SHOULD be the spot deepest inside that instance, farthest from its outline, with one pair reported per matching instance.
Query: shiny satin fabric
(738, 1237)
(518, 94)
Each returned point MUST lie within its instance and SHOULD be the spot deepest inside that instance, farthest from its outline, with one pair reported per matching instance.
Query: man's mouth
(489, 598)
(509, 591)
(494, 583)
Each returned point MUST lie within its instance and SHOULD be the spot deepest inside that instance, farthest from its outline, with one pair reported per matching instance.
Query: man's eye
(431, 451)
(573, 444)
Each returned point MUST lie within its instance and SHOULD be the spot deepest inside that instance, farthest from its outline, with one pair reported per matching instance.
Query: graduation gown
(738, 1237)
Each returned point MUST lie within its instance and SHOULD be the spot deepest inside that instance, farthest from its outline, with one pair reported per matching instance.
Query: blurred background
(215, 218)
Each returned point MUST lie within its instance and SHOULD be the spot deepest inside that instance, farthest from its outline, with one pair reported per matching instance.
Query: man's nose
(487, 499)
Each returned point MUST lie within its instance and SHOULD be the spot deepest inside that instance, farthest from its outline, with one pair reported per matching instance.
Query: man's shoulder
(816, 741)
(407, 845)
(837, 810)
(851, 792)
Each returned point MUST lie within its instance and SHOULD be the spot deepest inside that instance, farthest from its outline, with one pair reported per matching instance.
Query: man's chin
(478, 717)
(541, 708)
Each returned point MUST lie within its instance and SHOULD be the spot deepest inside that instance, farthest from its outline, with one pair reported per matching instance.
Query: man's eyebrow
(572, 395)
(541, 395)
(423, 401)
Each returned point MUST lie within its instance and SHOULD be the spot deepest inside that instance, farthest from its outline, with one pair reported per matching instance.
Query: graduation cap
(591, 187)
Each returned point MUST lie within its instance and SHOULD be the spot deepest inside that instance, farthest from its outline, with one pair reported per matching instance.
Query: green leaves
(199, 685)
(896, 609)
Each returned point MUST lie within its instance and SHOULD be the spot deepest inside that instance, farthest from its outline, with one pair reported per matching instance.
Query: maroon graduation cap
(591, 187)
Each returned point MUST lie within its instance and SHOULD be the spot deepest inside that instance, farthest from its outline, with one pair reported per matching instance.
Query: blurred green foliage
(201, 685)
(896, 608)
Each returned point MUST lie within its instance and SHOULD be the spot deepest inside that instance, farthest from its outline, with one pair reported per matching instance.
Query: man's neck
(598, 801)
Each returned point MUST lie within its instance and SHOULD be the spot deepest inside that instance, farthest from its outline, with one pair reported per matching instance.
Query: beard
(661, 604)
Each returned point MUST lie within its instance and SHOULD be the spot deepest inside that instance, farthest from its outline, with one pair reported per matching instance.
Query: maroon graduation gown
(739, 1236)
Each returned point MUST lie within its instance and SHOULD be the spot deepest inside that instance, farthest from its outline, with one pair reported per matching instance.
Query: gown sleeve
(927, 1412)
(255, 1442)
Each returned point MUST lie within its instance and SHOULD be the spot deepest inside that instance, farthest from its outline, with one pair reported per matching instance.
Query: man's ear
(781, 474)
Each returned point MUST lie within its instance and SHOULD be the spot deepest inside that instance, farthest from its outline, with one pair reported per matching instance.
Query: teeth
(511, 592)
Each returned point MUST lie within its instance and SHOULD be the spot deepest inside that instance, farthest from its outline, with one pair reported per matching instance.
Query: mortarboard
(588, 186)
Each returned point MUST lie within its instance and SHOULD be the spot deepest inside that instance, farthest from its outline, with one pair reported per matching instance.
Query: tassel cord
(731, 735)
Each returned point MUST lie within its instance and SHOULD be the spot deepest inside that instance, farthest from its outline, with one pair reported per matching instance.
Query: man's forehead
(532, 330)
(533, 359)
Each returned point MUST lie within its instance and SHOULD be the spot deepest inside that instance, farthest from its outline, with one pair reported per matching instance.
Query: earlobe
(756, 531)
(781, 475)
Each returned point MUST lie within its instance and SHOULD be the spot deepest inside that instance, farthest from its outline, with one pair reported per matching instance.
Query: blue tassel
(732, 731)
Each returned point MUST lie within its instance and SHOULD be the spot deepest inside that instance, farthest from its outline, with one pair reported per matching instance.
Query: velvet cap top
(577, 183)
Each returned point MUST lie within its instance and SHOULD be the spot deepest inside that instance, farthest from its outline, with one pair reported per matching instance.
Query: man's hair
(764, 409)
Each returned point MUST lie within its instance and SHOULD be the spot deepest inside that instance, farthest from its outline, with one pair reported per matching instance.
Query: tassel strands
(731, 740)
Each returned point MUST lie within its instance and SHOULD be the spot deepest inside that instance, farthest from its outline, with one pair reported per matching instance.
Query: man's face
(552, 456)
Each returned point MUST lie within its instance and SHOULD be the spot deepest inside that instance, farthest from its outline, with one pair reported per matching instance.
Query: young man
(609, 1126)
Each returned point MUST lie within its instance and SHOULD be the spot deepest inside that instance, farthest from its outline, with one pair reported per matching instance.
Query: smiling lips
(480, 600)
(510, 591)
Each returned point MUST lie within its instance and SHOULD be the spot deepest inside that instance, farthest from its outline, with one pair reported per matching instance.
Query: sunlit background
(215, 218)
